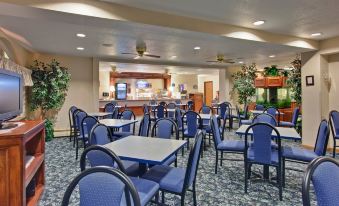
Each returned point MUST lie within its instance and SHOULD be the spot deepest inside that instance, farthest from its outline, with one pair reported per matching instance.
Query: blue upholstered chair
(206, 122)
(103, 186)
(243, 119)
(110, 108)
(163, 104)
(101, 156)
(259, 107)
(192, 126)
(178, 119)
(101, 135)
(299, 155)
(126, 130)
(159, 112)
(72, 132)
(79, 116)
(261, 151)
(178, 180)
(190, 105)
(223, 108)
(293, 123)
(224, 146)
(177, 101)
(334, 123)
(323, 172)
(171, 115)
(163, 128)
(274, 112)
(144, 125)
(266, 118)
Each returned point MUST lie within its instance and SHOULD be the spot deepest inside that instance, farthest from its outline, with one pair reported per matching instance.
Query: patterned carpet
(225, 188)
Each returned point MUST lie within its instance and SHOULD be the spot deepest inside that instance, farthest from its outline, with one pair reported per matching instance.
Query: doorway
(208, 93)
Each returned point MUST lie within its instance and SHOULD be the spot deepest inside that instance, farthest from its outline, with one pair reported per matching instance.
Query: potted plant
(50, 86)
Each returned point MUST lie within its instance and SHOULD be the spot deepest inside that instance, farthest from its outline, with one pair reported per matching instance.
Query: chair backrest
(334, 122)
(88, 123)
(215, 131)
(171, 106)
(324, 174)
(100, 135)
(265, 117)
(223, 109)
(145, 108)
(103, 186)
(190, 104)
(178, 118)
(98, 155)
(322, 138)
(274, 112)
(163, 104)
(144, 125)
(79, 116)
(71, 111)
(163, 128)
(127, 115)
(205, 110)
(177, 101)
(193, 123)
(259, 107)
(193, 161)
(262, 138)
(110, 108)
(160, 112)
(295, 116)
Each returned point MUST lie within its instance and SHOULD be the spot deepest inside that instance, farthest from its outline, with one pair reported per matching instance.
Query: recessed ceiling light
(317, 34)
(173, 57)
(81, 35)
(241, 62)
(80, 48)
(197, 48)
(271, 56)
(260, 22)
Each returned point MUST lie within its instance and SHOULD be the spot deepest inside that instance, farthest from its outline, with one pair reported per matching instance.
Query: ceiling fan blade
(213, 61)
(129, 53)
(151, 55)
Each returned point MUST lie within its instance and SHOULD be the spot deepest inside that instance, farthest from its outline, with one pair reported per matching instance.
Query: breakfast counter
(136, 104)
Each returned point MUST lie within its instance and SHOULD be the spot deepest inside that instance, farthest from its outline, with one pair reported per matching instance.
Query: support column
(222, 85)
(95, 81)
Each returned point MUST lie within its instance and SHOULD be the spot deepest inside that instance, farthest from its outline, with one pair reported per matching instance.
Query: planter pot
(260, 82)
(274, 81)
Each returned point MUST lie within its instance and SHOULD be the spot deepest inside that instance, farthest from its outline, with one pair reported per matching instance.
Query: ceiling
(293, 17)
(55, 32)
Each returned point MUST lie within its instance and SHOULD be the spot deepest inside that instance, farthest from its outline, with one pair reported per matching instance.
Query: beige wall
(104, 81)
(189, 79)
(81, 92)
(205, 78)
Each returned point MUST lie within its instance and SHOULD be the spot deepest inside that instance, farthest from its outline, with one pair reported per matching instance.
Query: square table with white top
(285, 132)
(146, 150)
(117, 123)
(99, 114)
(255, 112)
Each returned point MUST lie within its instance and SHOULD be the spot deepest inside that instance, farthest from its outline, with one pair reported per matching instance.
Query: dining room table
(145, 150)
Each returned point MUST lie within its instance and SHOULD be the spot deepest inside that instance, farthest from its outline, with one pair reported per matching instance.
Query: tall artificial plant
(50, 85)
(244, 83)
(294, 80)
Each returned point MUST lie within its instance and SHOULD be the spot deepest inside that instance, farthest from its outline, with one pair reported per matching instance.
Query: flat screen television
(11, 104)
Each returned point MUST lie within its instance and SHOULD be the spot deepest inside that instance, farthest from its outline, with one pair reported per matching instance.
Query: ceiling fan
(141, 52)
(221, 59)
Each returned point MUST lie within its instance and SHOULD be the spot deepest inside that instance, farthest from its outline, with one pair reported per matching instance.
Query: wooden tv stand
(27, 140)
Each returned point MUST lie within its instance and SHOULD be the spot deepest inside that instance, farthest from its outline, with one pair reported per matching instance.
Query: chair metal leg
(76, 149)
(222, 157)
(194, 195)
(334, 146)
(246, 176)
(283, 171)
(176, 163)
(182, 200)
(216, 162)
(279, 181)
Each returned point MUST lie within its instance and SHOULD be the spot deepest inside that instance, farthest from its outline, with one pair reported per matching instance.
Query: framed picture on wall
(310, 80)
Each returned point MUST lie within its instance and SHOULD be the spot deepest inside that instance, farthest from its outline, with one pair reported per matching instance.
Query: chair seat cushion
(231, 145)
(286, 124)
(299, 154)
(132, 168)
(274, 145)
(170, 160)
(146, 189)
(122, 134)
(246, 121)
(169, 178)
(274, 156)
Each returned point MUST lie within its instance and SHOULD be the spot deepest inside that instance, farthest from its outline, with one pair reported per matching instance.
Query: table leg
(266, 169)
(142, 169)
